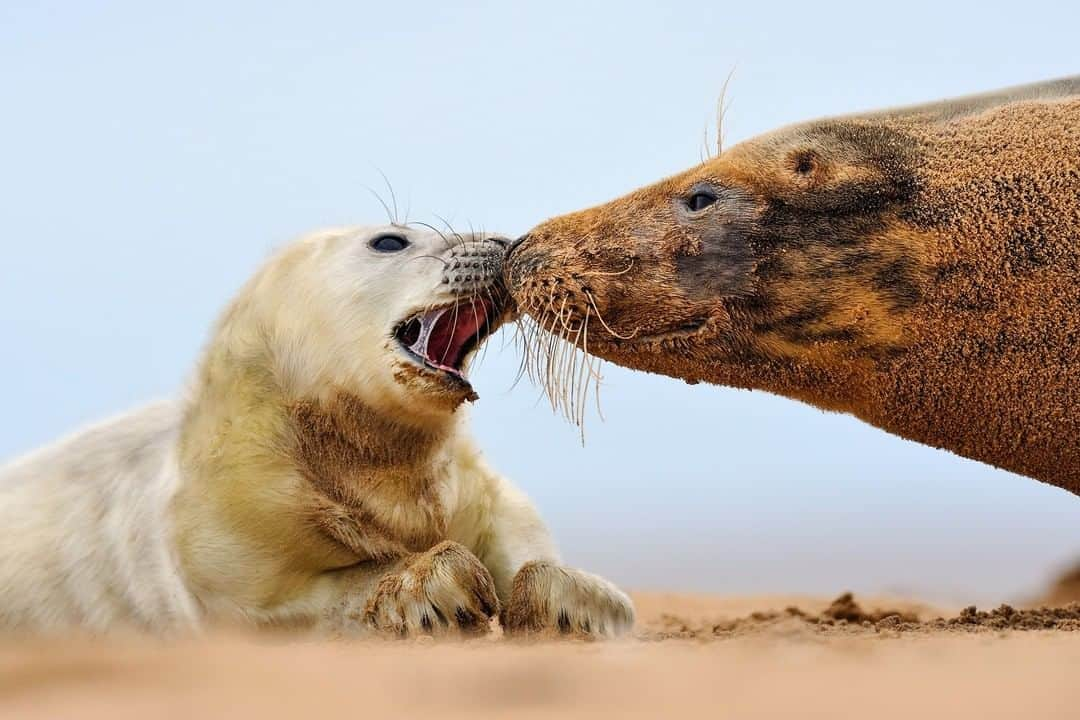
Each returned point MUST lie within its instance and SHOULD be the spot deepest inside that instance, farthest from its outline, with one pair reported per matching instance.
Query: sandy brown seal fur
(917, 267)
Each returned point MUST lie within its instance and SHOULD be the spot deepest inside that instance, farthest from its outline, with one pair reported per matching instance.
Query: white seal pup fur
(318, 472)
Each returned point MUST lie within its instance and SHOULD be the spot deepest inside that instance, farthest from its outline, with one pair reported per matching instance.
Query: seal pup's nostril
(504, 242)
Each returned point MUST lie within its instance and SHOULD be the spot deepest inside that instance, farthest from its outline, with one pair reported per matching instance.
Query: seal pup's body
(87, 531)
(318, 473)
(918, 268)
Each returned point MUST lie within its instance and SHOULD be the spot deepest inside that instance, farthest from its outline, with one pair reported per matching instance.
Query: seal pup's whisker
(453, 330)
(393, 195)
(489, 319)
(437, 231)
(472, 234)
(457, 236)
(482, 325)
(389, 215)
(431, 257)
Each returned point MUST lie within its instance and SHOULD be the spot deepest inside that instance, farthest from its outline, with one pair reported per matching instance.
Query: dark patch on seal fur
(724, 266)
(722, 260)
(886, 155)
(897, 281)
(794, 325)
(368, 463)
(1028, 248)
(346, 435)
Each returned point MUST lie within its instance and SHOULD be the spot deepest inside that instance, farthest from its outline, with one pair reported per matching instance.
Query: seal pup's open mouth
(443, 339)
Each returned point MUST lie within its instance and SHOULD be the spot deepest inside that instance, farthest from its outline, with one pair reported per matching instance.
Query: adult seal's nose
(514, 245)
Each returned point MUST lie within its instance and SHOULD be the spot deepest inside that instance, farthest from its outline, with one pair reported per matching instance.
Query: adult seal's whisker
(592, 302)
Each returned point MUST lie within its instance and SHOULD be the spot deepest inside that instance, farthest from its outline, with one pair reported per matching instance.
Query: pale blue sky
(152, 154)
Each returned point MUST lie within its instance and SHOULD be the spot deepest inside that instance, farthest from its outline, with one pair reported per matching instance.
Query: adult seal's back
(917, 267)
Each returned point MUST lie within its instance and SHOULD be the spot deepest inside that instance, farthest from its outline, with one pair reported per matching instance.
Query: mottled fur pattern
(918, 267)
(314, 475)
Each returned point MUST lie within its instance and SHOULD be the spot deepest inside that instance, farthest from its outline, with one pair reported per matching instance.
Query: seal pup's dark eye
(388, 243)
(700, 200)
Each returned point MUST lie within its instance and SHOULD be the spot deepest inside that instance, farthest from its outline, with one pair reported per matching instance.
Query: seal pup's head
(389, 316)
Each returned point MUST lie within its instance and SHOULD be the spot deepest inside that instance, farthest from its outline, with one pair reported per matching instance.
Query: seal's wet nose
(514, 245)
(523, 259)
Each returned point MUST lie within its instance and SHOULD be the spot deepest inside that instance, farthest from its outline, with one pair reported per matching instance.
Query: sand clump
(845, 615)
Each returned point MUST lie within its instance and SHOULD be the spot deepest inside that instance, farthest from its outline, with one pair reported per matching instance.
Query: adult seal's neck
(945, 390)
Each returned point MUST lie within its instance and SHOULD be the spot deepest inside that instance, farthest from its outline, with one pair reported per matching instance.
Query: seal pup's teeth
(427, 325)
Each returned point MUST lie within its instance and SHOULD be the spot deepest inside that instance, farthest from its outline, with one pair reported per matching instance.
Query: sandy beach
(691, 655)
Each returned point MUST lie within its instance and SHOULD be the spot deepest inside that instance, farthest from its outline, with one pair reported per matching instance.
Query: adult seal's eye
(389, 243)
(700, 201)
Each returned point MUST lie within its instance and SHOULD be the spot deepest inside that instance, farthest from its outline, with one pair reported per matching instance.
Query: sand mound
(846, 616)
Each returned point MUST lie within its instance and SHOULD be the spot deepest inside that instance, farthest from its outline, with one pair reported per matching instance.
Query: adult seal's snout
(516, 243)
